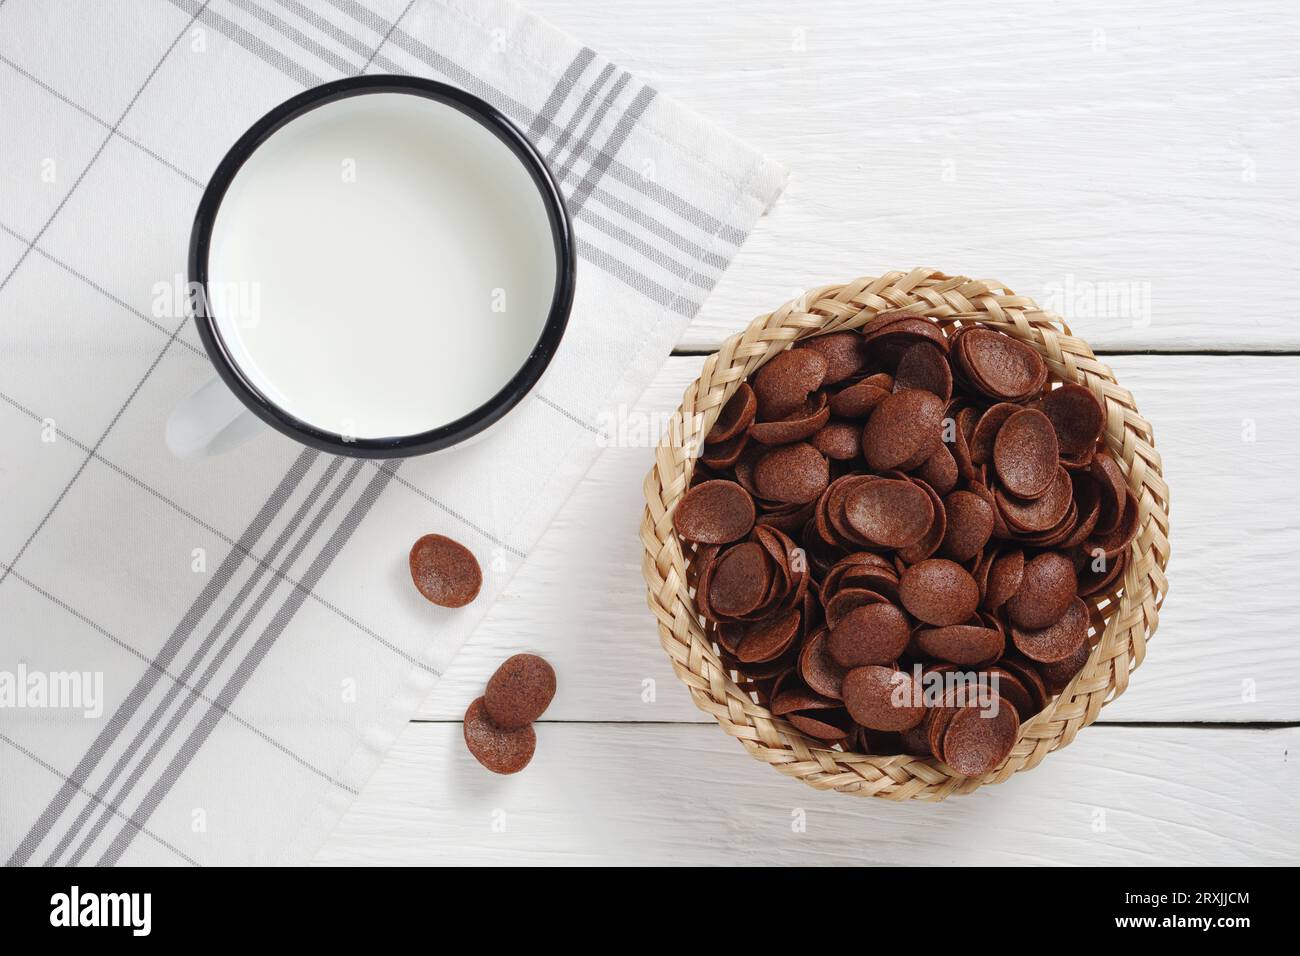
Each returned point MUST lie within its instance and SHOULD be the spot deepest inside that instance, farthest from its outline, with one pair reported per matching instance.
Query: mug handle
(210, 422)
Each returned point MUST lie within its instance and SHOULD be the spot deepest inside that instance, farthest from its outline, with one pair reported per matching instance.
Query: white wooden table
(1134, 166)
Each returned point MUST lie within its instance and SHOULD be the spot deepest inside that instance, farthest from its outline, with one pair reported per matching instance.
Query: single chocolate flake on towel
(445, 571)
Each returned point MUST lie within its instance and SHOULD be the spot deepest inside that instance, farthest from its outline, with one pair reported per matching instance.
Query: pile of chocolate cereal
(911, 500)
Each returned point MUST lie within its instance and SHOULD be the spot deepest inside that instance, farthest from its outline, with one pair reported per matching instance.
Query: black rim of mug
(490, 411)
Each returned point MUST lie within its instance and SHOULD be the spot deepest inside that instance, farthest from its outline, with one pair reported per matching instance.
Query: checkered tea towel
(202, 662)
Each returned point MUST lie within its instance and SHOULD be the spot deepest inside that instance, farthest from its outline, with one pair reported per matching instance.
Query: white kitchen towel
(250, 617)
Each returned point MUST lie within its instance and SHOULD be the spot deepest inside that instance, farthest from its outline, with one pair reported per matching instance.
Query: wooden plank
(1130, 162)
(687, 794)
(1227, 429)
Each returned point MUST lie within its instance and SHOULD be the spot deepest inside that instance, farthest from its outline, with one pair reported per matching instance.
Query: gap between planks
(1144, 724)
(1100, 353)
(1234, 562)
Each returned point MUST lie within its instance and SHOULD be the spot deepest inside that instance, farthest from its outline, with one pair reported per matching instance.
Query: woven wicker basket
(1122, 619)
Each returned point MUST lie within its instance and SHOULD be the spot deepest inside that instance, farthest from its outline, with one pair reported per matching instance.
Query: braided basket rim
(1123, 619)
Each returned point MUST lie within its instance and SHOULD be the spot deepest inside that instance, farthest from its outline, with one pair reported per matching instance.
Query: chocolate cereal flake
(501, 751)
(714, 512)
(445, 571)
(519, 691)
